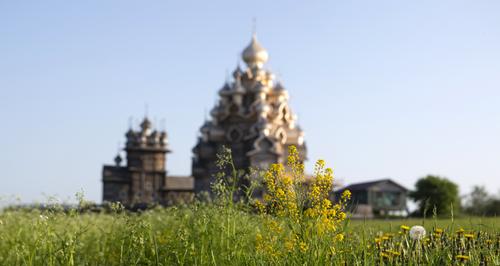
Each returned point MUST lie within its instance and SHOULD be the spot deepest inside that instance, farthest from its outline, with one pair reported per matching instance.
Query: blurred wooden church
(144, 179)
(252, 117)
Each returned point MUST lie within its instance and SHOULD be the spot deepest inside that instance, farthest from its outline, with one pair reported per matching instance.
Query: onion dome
(163, 138)
(238, 87)
(279, 88)
(225, 90)
(281, 92)
(130, 134)
(270, 76)
(163, 135)
(154, 138)
(206, 127)
(254, 54)
(118, 160)
(237, 72)
(259, 87)
(146, 124)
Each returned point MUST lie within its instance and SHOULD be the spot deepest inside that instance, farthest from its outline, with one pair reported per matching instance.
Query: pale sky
(397, 89)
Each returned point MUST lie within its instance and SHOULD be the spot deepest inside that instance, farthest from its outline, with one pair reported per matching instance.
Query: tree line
(439, 196)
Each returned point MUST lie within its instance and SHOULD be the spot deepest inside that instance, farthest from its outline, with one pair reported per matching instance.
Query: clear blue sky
(395, 89)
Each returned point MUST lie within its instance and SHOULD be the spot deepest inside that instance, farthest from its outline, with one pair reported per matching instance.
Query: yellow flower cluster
(307, 205)
(266, 244)
(262, 247)
(321, 207)
(280, 197)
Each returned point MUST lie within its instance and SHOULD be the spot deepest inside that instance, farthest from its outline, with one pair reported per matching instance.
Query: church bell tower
(146, 159)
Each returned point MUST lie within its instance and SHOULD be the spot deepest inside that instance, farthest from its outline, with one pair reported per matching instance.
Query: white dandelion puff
(417, 232)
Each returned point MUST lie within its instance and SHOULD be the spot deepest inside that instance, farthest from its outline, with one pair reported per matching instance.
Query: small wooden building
(377, 198)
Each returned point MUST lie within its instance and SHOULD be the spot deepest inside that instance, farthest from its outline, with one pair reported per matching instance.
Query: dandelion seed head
(417, 232)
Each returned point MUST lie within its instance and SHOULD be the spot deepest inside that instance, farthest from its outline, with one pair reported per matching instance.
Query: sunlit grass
(211, 235)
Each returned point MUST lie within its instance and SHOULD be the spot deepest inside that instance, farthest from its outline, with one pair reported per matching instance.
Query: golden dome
(254, 54)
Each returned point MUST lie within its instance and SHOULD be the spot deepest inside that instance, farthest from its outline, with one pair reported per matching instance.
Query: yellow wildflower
(259, 206)
(385, 255)
(346, 194)
(462, 257)
(280, 193)
(258, 237)
(287, 180)
(342, 216)
(290, 244)
(303, 247)
(389, 235)
(394, 253)
(469, 236)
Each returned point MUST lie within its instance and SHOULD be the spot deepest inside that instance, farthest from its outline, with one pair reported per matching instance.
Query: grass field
(292, 224)
(213, 235)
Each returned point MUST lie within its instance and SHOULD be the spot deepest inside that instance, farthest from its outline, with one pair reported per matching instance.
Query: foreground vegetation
(210, 235)
(292, 225)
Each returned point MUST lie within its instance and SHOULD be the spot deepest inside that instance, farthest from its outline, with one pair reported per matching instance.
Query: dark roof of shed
(366, 185)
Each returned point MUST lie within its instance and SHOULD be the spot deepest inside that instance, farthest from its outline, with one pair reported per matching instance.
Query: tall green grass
(208, 234)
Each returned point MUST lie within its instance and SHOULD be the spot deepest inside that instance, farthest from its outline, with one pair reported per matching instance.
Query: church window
(234, 135)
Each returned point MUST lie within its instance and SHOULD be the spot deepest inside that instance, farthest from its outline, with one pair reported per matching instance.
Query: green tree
(434, 193)
(478, 201)
(493, 207)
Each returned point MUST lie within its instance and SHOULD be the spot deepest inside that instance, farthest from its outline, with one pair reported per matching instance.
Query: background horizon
(385, 89)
